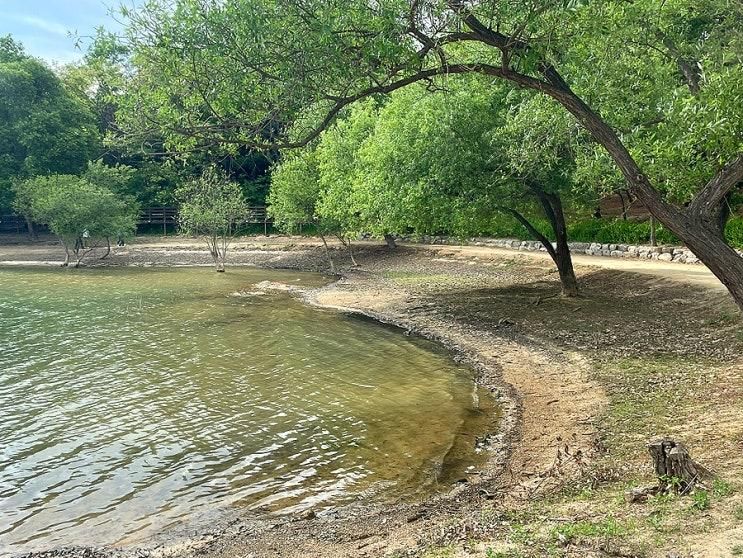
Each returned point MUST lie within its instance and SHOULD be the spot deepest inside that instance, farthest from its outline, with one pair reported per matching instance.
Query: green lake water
(134, 400)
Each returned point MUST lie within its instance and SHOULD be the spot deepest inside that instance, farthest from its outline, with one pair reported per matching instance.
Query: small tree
(211, 207)
(82, 215)
(295, 195)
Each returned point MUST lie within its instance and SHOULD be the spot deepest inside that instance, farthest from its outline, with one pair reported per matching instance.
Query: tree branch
(532, 230)
(706, 202)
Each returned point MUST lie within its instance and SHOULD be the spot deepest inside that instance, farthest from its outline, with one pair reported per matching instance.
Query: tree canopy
(43, 128)
(84, 215)
(656, 85)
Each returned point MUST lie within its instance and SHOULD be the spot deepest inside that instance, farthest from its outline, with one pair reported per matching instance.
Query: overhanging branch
(706, 202)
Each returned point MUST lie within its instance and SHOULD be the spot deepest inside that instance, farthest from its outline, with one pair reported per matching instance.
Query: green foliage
(587, 529)
(43, 128)
(721, 488)
(700, 500)
(734, 232)
(295, 191)
(75, 209)
(617, 231)
(115, 178)
(603, 231)
(212, 207)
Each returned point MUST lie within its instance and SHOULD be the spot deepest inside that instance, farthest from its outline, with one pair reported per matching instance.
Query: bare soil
(585, 383)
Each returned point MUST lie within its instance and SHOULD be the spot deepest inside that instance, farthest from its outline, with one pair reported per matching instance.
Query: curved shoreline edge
(398, 519)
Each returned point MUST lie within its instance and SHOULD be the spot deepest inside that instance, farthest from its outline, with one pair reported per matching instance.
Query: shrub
(604, 231)
(734, 232)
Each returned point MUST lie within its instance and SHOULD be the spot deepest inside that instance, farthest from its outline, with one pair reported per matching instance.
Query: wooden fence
(165, 216)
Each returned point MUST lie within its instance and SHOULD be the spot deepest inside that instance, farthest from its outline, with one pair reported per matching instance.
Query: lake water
(133, 400)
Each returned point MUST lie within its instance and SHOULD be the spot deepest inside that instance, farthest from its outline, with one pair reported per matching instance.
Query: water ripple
(131, 400)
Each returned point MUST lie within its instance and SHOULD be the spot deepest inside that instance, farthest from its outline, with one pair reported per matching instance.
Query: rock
(640, 494)
(666, 257)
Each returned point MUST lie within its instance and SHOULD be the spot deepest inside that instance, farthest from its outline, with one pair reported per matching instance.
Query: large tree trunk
(698, 225)
(560, 252)
(712, 249)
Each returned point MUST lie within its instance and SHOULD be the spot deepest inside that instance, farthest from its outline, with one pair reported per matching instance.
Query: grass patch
(607, 528)
(700, 500)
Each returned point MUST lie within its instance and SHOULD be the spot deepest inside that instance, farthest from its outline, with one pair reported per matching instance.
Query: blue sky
(42, 25)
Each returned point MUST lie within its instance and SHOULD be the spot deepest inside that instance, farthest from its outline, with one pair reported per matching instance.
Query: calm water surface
(132, 401)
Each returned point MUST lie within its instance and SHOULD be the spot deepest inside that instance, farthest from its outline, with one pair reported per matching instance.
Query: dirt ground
(649, 349)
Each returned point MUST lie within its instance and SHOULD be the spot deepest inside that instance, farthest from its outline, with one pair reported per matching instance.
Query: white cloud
(43, 24)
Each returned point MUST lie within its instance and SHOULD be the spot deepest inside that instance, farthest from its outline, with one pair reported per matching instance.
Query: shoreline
(499, 440)
(552, 427)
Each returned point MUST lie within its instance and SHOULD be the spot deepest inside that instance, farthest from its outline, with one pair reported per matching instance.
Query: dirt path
(695, 274)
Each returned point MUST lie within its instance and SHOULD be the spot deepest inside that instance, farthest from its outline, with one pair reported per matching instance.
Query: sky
(43, 25)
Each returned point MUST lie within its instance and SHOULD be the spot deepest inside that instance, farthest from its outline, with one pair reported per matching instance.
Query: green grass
(607, 528)
(721, 488)
(700, 500)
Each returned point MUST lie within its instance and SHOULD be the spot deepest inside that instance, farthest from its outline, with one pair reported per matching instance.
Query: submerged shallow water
(132, 400)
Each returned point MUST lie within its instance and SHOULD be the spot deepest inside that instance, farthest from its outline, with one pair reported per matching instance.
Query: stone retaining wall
(678, 254)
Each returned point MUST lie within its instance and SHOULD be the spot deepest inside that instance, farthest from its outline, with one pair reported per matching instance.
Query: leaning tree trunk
(698, 225)
(563, 259)
(108, 248)
(349, 245)
(328, 255)
(559, 252)
(710, 247)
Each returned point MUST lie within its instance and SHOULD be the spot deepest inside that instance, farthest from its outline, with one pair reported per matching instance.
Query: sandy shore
(497, 311)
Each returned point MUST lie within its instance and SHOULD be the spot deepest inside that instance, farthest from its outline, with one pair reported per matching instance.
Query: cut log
(676, 470)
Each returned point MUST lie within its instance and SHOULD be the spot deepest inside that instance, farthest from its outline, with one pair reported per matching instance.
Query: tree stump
(675, 468)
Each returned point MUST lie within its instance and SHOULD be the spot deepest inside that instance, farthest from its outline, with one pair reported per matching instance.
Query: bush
(734, 232)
